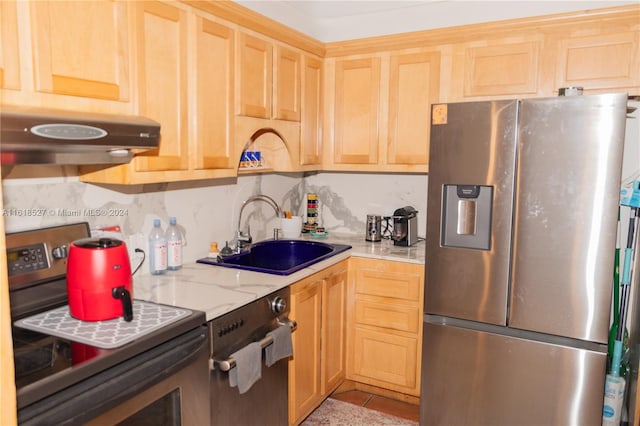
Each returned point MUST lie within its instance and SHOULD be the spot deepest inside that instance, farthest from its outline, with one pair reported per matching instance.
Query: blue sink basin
(280, 257)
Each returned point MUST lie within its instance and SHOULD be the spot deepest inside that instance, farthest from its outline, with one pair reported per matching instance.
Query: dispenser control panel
(466, 216)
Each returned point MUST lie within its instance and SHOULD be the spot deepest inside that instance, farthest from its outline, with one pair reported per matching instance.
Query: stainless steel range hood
(40, 136)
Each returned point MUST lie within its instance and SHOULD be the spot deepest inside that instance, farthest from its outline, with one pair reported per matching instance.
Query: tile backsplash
(207, 210)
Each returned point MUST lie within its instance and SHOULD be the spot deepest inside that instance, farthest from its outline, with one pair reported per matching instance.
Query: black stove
(46, 364)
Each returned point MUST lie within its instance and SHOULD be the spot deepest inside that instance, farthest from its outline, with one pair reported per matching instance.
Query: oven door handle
(229, 363)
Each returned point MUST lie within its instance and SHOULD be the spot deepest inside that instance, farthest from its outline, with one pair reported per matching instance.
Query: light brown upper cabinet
(534, 59)
(185, 62)
(9, 57)
(599, 62)
(286, 84)
(81, 48)
(212, 140)
(311, 120)
(67, 55)
(379, 113)
(161, 36)
(413, 86)
(255, 71)
(354, 95)
(497, 68)
(268, 79)
(216, 78)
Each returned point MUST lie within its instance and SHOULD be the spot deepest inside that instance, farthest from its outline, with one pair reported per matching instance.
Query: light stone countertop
(384, 249)
(218, 290)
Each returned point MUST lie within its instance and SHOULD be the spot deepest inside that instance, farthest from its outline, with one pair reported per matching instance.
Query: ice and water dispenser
(466, 216)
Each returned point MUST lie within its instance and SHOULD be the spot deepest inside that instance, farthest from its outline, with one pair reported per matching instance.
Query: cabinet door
(311, 122)
(81, 48)
(599, 61)
(385, 359)
(286, 85)
(9, 50)
(213, 98)
(497, 68)
(385, 324)
(413, 86)
(304, 368)
(162, 68)
(254, 81)
(356, 120)
(334, 294)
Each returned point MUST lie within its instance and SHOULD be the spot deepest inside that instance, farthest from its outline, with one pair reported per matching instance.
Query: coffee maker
(405, 226)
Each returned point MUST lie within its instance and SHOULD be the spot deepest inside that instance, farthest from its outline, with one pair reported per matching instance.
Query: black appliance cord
(144, 256)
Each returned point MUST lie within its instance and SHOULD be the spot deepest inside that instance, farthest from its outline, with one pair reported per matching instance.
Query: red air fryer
(99, 283)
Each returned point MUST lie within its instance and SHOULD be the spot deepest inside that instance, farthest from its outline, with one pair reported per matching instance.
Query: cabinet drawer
(385, 359)
(396, 317)
(393, 284)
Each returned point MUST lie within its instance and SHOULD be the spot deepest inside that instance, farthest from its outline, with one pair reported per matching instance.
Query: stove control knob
(278, 305)
(59, 252)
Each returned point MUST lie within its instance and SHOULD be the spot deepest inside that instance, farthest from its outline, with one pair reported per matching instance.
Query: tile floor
(380, 403)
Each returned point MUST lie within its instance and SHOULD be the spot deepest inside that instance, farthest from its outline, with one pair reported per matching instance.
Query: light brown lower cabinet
(318, 305)
(384, 333)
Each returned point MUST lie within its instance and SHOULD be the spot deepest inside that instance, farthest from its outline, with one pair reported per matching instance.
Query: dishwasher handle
(229, 363)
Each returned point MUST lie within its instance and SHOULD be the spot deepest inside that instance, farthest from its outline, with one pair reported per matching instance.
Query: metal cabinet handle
(229, 363)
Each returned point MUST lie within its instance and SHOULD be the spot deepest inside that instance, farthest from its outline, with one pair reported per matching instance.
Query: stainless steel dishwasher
(266, 402)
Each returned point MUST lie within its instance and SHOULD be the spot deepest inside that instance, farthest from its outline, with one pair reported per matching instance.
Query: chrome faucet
(244, 240)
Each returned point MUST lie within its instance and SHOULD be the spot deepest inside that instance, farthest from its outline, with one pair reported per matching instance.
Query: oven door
(166, 385)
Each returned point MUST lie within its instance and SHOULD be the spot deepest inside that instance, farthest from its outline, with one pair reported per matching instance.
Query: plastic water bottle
(157, 250)
(174, 246)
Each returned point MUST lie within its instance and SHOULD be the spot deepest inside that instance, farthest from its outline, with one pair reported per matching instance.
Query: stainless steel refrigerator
(521, 233)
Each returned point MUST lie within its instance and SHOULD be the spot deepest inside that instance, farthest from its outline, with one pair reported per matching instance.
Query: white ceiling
(329, 20)
(333, 9)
